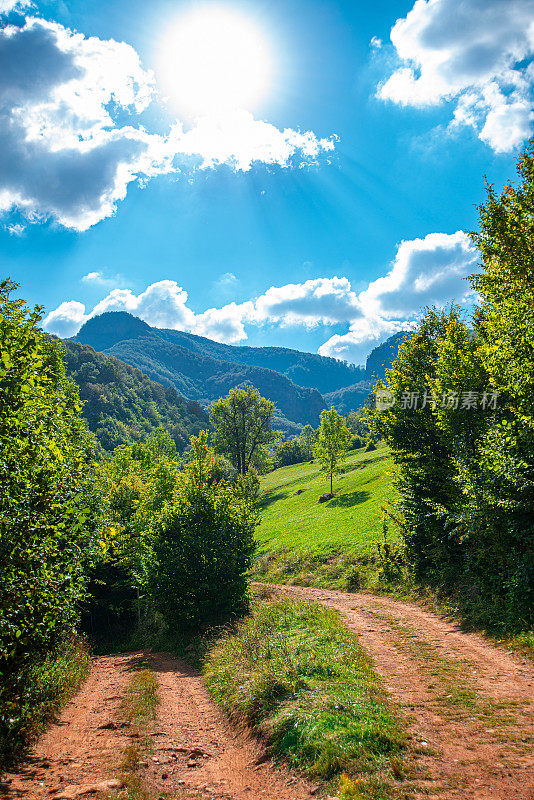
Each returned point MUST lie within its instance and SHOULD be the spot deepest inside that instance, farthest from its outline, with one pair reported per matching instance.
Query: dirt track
(195, 752)
(469, 704)
(470, 708)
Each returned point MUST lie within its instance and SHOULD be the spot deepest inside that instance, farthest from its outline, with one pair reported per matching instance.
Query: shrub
(204, 545)
(47, 506)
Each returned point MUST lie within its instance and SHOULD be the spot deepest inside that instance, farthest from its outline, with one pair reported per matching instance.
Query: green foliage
(203, 544)
(467, 475)
(290, 452)
(121, 405)
(51, 682)
(297, 675)
(47, 506)
(242, 428)
(135, 484)
(307, 438)
(333, 441)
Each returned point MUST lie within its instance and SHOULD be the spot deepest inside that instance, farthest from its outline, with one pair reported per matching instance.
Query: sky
(301, 173)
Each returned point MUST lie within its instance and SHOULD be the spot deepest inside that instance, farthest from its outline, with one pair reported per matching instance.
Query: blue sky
(321, 209)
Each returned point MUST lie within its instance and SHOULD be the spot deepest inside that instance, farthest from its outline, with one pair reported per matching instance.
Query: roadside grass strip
(295, 674)
(139, 709)
(52, 683)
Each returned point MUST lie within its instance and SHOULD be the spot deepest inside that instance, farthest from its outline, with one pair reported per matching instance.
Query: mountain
(299, 384)
(122, 405)
(383, 356)
(304, 369)
(198, 370)
(349, 398)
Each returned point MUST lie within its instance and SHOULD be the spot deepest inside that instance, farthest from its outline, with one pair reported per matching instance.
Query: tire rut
(469, 704)
(197, 748)
(84, 746)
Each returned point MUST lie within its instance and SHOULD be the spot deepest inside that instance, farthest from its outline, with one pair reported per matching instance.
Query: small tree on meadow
(333, 441)
(308, 437)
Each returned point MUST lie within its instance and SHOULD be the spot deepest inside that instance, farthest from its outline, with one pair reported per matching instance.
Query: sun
(214, 60)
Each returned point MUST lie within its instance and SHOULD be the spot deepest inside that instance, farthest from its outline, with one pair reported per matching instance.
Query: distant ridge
(299, 384)
(121, 405)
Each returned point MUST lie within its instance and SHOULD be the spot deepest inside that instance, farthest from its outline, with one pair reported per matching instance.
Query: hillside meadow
(335, 544)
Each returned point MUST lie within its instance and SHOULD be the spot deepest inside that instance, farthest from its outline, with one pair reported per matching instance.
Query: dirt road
(469, 706)
(195, 752)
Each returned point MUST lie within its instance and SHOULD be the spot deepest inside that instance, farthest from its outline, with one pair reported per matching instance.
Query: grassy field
(331, 544)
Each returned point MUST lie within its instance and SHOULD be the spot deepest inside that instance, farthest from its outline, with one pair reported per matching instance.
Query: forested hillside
(299, 384)
(196, 375)
(350, 398)
(382, 357)
(304, 369)
(121, 405)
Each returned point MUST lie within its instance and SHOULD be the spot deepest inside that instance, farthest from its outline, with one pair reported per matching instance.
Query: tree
(242, 427)
(204, 544)
(308, 437)
(289, 452)
(466, 474)
(332, 443)
(47, 506)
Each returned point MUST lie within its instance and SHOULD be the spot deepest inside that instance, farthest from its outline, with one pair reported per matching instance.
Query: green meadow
(325, 544)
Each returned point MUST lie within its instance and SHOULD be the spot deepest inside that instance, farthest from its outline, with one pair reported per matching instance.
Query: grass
(297, 675)
(139, 709)
(49, 686)
(332, 544)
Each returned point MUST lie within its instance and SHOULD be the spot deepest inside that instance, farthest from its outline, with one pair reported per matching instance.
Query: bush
(288, 453)
(204, 545)
(47, 506)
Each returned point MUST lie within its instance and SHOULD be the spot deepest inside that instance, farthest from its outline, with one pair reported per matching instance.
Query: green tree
(47, 506)
(135, 484)
(289, 452)
(425, 440)
(242, 427)
(333, 441)
(308, 437)
(466, 476)
(204, 544)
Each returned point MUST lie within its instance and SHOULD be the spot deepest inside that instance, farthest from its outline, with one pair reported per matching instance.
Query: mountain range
(300, 384)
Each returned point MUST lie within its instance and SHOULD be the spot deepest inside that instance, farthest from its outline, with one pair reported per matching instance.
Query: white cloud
(92, 277)
(16, 229)
(363, 335)
(224, 324)
(319, 301)
(238, 139)
(477, 53)
(426, 272)
(429, 271)
(162, 305)
(65, 154)
(13, 5)
(67, 319)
